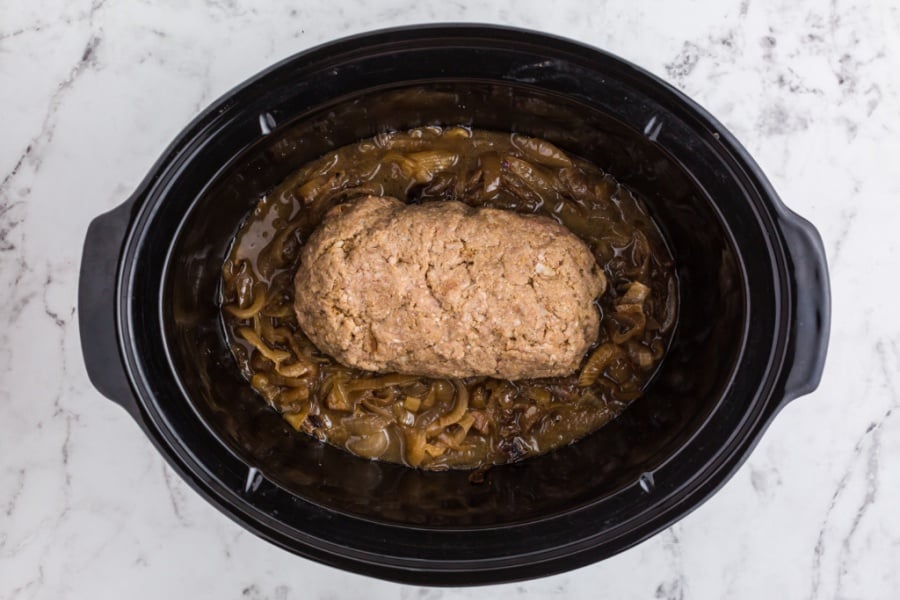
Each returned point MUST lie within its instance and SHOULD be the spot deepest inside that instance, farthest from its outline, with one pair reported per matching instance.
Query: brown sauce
(450, 423)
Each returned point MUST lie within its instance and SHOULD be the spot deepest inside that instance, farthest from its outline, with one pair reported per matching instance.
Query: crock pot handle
(97, 306)
(811, 305)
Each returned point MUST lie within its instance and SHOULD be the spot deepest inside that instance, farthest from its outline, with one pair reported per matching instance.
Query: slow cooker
(751, 335)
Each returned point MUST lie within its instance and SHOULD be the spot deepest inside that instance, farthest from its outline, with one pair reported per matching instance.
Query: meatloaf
(442, 289)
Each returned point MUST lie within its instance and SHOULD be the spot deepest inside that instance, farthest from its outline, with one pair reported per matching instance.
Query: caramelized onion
(436, 423)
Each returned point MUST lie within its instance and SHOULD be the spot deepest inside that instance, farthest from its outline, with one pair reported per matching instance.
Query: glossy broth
(450, 423)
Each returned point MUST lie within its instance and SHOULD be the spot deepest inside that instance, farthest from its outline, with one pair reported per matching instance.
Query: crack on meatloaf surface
(443, 289)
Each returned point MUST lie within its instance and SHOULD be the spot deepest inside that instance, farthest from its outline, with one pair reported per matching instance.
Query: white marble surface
(90, 94)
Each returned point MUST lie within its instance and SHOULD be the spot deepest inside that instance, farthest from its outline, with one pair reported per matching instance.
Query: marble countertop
(92, 92)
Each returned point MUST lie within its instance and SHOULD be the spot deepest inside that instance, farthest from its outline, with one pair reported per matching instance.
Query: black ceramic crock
(751, 335)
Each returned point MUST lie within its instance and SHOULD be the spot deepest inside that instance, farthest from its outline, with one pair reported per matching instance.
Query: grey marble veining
(92, 92)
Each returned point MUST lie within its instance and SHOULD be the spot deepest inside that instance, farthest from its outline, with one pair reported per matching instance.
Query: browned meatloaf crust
(446, 290)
